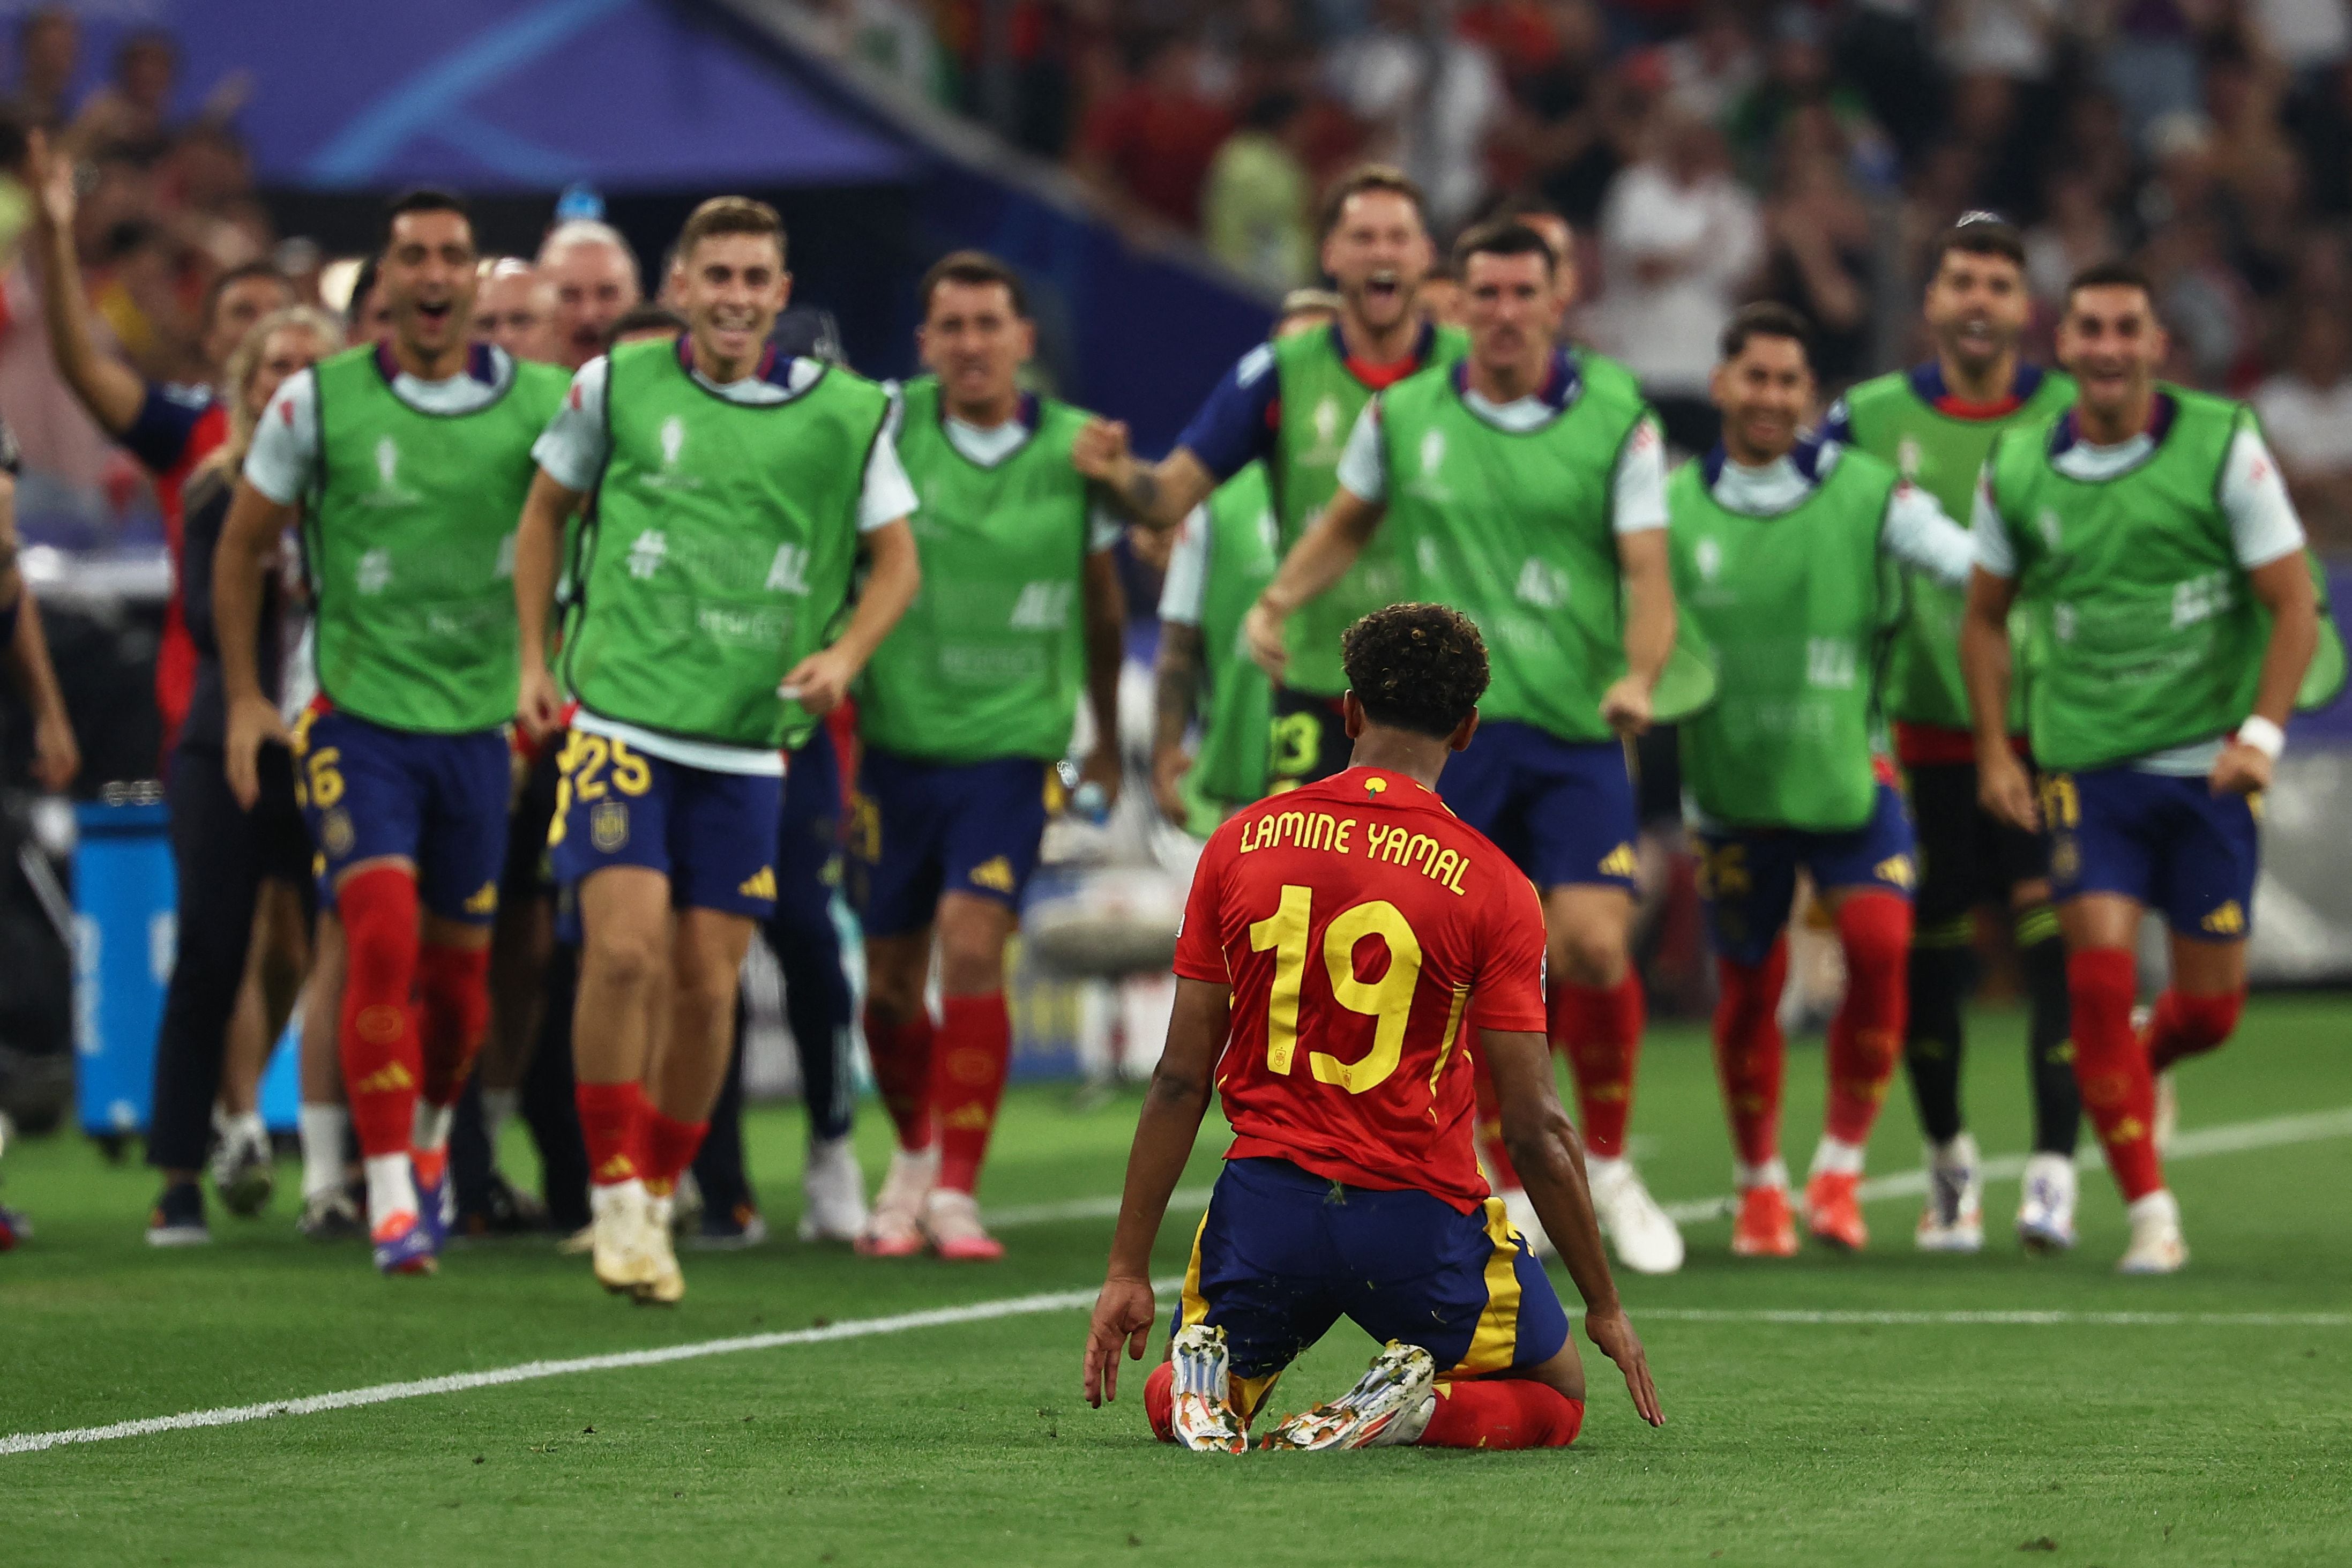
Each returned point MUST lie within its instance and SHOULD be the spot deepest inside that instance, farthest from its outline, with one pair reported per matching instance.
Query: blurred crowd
(1714, 152)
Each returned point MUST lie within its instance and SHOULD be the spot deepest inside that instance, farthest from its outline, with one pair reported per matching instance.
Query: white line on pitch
(2029, 1316)
(2230, 1138)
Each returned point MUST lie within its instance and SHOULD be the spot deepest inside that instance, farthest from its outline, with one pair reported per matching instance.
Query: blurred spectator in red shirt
(1150, 145)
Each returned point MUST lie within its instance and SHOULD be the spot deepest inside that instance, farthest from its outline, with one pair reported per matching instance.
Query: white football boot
(895, 1227)
(2045, 1205)
(2157, 1246)
(621, 1235)
(665, 1285)
(1953, 1220)
(1202, 1416)
(1391, 1403)
(1520, 1210)
(832, 1191)
(1647, 1240)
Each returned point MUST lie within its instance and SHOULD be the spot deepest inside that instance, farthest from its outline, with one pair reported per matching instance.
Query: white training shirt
(284, 451)
(1185, 591)
(1915, 530)
(2263, 528)
(1639, 483)
(987, 446)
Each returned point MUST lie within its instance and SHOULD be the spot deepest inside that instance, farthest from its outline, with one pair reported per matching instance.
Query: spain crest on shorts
(335, 832)
(608, 825)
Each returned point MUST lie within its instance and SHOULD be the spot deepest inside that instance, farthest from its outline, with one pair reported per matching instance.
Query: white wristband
(2262, 736)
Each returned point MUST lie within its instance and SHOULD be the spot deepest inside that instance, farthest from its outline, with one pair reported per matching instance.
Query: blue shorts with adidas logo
(1747, 876)
(920, 830)
(2169, 842)
(1564, 811)
(369, 792)
(713, 835)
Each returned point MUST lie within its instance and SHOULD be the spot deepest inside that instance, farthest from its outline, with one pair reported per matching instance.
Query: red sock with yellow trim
(611, 1121)
(1865, 1042)
(901, 1057)
(2111, 1066)
(1600, 1028)
(670, 1146)
(2190, 1026)
(1502, 1413)
(383, 1061)
(969, 1067)
(453, 989)
(1750, 1053)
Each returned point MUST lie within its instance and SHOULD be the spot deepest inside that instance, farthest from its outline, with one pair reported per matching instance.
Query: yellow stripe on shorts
(1497, 1341)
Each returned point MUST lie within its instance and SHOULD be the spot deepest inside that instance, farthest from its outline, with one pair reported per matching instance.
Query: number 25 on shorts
(581, 774)
(1388, 1000)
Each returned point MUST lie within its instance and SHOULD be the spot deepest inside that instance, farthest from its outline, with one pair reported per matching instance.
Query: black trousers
(221, 853)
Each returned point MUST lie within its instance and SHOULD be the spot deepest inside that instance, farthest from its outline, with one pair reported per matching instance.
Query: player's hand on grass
(1625, 706)
(253, 722)
(819, 681)
(1100, 451)
(2241, 769)
(1124, 1311)
(1613, 1334)
(538, 704)
(1168, 766)
(2004, 790)
(57, 756)
(1262, 631)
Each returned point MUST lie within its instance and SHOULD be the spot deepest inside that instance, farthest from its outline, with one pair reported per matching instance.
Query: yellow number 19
(1388, 1000)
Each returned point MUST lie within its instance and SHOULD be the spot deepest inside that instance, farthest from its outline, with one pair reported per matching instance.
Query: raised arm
(1550, 1159)
(1105, 624)
(110, 390)
(1164, 1132)
(1156, 495)
(539, 541)
(248, 551)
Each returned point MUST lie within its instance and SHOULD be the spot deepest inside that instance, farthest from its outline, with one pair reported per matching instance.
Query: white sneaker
(1520, 1210)
(1391, 1403)
(2045, 1205)
(620, 1245)
(2157, 1246)
(1202, 1416)
(1953, 1220)
(665, 1284)
(833, 1193)
(895, 1227)
(1646, 1239)
(952, 1225)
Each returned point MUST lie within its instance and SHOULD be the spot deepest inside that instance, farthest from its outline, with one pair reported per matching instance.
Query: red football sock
(1160, 1401)
(902, 1076)
(612, 1118)
(454, 984)
(1601, 1029)
(670, 1146)
(1867, 1037)
(2118, 1088)
(383, 1064)
(1749, 1051)
(2190, 1026)
(968, 1071)
(1499, 1168)
(1502, 1413)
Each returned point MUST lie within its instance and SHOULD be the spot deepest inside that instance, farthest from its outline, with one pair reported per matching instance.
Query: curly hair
(1420, 667)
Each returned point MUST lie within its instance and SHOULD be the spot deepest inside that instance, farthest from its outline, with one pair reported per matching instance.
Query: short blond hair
(729, 215)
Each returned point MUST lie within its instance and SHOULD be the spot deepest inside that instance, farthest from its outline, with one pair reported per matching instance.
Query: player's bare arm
(893, 574)
(1172, 1108)
(1156, 495)
(110, 390)
(248, 553)
(56, 755)
(2284, 588)
(1643, 566)
(1106, 622)
(539, 540)
(2001, 782)
(1175, 695)
(1318, 560)
(1550, 1159)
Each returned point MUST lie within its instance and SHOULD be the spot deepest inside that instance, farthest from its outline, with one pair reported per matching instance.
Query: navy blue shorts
(1282, 1255)
(921, 829)
(439, 801)
(713, 835)
(1747, 876)
(1562, 810)
(2170, 843)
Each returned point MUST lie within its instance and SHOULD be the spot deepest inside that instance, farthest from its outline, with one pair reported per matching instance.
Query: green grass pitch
(2205, 1439)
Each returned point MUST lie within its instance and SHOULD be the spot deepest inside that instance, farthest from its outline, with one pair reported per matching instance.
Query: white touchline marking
(2230, 1138)
(2027, 1316)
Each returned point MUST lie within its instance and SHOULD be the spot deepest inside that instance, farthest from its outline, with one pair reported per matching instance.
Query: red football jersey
(1364, 930)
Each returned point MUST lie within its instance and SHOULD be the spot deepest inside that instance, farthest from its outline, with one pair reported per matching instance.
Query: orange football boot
(1833, 1211)
(1765, 1227)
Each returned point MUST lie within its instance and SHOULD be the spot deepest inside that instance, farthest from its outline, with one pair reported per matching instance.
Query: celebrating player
(2148, 535)
(418, 451)
(1526, 486)
(1291, 403)
(1223, 555)
(1934, 423)
(1780, 558)
(966, 704)
(734, 490)
(1341, 943)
